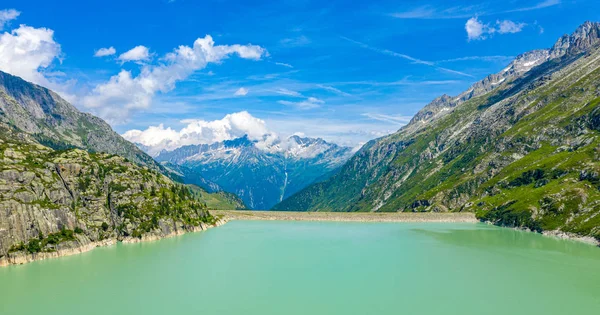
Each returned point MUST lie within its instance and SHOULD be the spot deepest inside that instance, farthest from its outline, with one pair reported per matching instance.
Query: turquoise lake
(259, 267)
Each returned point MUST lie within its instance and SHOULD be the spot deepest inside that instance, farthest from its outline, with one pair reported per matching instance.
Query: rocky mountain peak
(524, 62)
(585, 37)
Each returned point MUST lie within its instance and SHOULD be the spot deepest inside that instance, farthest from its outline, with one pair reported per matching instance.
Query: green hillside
(520, 148)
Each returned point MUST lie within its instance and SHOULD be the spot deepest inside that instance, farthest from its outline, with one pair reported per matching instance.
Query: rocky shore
(572, 236)
(83, 244)
(346, 216)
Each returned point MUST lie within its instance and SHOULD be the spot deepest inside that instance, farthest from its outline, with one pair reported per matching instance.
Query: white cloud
(540, 5)
(287, 65)
(241, 92)
(477, 30)
(508, 26)
(334, 90)
(461, 12)
(423, 12)
(295, 41)
(404, 56)
(265, 132)
(7, 16)
(103, 52)
(124, 92)
(309, 103)
(342, 132)
(202, 132)
(399, 119)
(26, 51)
(284, 91)
(498, 58)
(137, 53)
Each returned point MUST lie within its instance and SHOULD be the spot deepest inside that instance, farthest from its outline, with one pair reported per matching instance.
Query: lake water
(317, 268)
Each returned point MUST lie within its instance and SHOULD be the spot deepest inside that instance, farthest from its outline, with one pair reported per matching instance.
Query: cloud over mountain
(230, 127)
(26, 51)
(477, 30)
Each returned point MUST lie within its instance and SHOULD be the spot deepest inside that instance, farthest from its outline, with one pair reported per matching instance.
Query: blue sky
(346, 71)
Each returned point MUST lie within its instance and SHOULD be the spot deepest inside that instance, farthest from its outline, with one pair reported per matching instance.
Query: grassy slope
(219, 200)
(533, 164)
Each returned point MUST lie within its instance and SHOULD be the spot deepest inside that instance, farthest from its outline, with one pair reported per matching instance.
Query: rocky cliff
(519, 148)
(54, 202)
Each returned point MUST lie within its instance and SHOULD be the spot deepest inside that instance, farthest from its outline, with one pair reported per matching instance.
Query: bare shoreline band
(229, 215)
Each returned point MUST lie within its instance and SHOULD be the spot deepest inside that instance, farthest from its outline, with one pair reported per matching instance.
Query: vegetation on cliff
(50, 197)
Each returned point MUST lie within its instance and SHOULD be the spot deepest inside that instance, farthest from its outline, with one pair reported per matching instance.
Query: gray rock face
(584, 38)
(55, 202)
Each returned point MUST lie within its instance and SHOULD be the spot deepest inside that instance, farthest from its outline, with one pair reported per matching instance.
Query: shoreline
(24, 258)
(223, 216)
(446, 217)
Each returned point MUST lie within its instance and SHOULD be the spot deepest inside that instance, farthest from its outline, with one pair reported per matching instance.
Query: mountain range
(261, 174)
(519, 148)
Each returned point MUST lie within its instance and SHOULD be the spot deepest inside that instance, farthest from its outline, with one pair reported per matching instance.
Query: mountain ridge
(490, 150)
(260, 174)
(54, 122)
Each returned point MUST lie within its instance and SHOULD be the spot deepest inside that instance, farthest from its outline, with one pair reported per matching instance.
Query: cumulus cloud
(232, 126)
(103, 52)
(137, 53)
(26, 51)
(241, 92)
(477, 30)
(7, 16)
(309, 103)
(115, 99)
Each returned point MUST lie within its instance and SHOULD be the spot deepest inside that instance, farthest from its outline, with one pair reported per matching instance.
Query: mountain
(54, 122)
(260, 174)
(65, 201)
(65, 189)
(519, 148)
